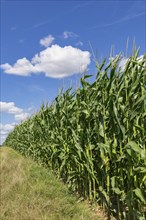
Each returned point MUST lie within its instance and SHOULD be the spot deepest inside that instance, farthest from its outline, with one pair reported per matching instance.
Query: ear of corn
(94, 138)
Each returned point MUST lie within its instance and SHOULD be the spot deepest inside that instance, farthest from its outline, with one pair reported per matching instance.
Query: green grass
(31, 192)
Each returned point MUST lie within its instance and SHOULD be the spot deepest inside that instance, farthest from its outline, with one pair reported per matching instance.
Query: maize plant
(94, 138)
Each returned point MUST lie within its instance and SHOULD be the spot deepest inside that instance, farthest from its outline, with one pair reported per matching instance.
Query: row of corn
(94, 138)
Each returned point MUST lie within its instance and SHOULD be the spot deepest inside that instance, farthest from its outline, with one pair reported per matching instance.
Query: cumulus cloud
(5, 129)
(54, 61)
(21, 117)
(47, 41)
(22, 67)
(11, 108)
(67, 34)
(123, 61)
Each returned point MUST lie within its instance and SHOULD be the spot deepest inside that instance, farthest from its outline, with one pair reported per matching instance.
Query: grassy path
(30, 192)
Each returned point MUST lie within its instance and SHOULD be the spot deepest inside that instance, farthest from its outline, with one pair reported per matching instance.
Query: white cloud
(22, 67)
(79, 43)
(2, 139)
(123, 61)
(21, 117)
(54, 61)
(47, 41)
(9, 107)
(5, 129)
(67, 34)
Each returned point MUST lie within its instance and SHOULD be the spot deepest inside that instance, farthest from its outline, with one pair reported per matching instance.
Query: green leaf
(117, 191)
(113, 181)
(85, 111)
(117, 118)
(139, 194)
(133, 146)
(101, 130)
(104, 193)
(87, 76)
(140, 169)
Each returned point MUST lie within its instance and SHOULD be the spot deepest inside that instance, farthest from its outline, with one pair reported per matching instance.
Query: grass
(31, 192)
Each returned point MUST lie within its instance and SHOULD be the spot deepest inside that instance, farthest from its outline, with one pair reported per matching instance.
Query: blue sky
(46, 45)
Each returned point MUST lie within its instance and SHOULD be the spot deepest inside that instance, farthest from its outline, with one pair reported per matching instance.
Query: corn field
(94, 138)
